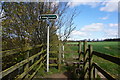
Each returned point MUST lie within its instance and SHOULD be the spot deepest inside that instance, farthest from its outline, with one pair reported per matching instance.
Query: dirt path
(58, 75)
(54, 76)
(65, 76)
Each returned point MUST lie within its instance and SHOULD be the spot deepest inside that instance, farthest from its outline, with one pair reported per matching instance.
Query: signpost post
(48, 17)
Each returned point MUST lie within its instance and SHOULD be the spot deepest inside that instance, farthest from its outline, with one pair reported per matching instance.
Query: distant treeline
(97, 40)
(116, 39)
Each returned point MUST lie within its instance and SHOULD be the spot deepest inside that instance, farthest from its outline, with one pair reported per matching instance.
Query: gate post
(63, 53)
(59, 57)
(84, 50)
(85, 66)
(79, 51)
(90, 62)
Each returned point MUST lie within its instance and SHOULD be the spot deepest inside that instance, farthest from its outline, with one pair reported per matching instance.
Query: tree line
(96, 40)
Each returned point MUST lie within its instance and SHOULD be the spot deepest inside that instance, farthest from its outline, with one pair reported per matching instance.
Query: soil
(63, 76)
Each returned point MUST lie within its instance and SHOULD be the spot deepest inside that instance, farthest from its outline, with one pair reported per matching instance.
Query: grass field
(110, 48)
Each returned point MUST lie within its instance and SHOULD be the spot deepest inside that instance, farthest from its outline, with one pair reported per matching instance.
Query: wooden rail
(14, 51)
(89, 67)
(107, 57)
(107, 75)
(72, 44)
(25, 63)
(93, 66)
(86, 56)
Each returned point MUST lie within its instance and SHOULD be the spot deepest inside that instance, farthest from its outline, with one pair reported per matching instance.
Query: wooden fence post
(59, 57)
(79, 52)
(90, 62)
(63, 53)
(85, 59)
(84, 48)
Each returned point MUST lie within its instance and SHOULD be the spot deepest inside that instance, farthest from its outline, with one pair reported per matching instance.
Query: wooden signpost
(48, 17)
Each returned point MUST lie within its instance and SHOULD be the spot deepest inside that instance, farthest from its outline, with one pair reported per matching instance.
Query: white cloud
(104, 18)
(78, 33)
(94, 30)
(92, 3)
(56, 3)
(113, 25)
(73, 4)
(89, 0)
(110, 6)
(85, 32)
(93, 27)
(111, 33)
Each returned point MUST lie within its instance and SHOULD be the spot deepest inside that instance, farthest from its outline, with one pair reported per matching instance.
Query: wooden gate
(85, 64)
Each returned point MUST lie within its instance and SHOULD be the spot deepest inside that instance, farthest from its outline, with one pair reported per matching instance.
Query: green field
(110, 48)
